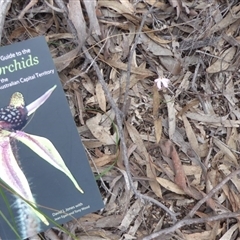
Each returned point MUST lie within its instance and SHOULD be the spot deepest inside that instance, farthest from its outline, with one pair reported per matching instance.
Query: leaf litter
(182, 141)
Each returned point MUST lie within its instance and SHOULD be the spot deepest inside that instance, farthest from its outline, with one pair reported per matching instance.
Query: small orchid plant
(13, 118)
(162, 82)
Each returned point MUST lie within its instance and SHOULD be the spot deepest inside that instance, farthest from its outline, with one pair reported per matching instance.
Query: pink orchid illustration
(13, 118)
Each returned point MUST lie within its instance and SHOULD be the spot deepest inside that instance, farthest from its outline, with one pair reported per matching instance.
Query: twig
(30, 4)
(188, 221)
(129, 65)
(5, 5)
(195, 89)
(121, 134)
(120, 124)
(213, 191)
(62, 6)
(120, 116)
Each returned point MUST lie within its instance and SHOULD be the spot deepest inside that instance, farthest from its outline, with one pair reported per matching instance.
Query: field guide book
(45, 177)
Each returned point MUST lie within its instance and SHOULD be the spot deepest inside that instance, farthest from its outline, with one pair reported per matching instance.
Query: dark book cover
(42, 158)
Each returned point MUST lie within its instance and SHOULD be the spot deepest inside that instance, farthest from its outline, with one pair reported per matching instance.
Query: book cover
(43, 162)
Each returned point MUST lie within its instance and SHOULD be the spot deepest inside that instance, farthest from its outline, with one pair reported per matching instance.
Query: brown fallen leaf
(113, 62)
(223, 62)
(179, 5)
(191, 135)
(91, 10)
(16, 33)
(115, 5)
(63, 61)
(100, 132)
(180, 179)
(157, 120)
(171, 115)
(101, 97)
(76, 16)
(136, 138)
(151, 173)
(173, 65)
(158, 129)
(169, 151)
(169, 185)
(105, 159)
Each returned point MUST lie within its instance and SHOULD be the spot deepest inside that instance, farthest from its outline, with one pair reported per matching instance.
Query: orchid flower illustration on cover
(13, 118)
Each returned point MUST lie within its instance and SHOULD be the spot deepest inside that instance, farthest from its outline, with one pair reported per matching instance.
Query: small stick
(5, 5)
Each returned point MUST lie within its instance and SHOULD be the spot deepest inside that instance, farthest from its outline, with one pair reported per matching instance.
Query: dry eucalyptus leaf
(104, 160)
(226, 151)
(153, 47)
(136, 138)
(76, 16)
(151, 173)
(101, 97)
(158, 129)
(191, 135)
(228, 235)
(223, 62)
(115, 5)
(171, 115)
(91, 10)
(63, 61)
(170, 186)
(171, 64)
(101, 133)
(179, 5)
(131, 214)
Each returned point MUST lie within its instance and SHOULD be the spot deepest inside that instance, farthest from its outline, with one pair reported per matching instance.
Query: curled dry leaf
(170, 186)
(226, 151)
(128, 5)
(173, 65)
(88, 84)
(115, 5)
(179, 5)
(104, 160)
(154, 47)
(101, 133)
(191, 135)
(123, 66)
(223, 62)
(63, 61)
(228, 235)
(231, 17)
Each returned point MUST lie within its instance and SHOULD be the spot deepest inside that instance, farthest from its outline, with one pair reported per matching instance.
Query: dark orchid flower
(13, 118)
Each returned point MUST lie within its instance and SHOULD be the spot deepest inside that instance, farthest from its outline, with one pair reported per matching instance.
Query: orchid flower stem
(29, 222)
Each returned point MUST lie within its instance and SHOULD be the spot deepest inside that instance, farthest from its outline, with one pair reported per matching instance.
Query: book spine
(28, 221)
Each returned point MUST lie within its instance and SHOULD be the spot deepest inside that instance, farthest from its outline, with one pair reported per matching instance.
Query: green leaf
(46, 150)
